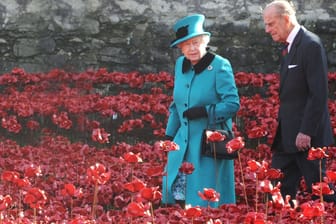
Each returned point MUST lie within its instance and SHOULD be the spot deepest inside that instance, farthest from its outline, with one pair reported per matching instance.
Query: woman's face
(194, 49)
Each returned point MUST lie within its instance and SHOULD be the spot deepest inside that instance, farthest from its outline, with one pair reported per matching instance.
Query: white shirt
(292, 36)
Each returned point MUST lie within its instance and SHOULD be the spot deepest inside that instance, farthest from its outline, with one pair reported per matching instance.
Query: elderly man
(303, 119)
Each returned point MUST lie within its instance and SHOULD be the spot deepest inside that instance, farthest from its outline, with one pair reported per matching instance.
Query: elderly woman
(202, 78)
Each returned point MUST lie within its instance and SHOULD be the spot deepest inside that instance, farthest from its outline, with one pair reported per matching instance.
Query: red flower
(331, 175)
(70, 190)
(187, 168)
(100, 135)
(10, 176)
(135, 209)
(135, 186)
(321, 187)
(317, 153)
(274, 174)
(150, 194)
(214, 136)
(97, 174)
(155, 171)
(278, 202)
(168, 146)
(311, 210)
(257, 132)
(5, 201)
(209, 194)
(32, 125)
(193, 212)
(62, 120)
(35, 197)
(22, 183)
(255, 218)
(253, 165)
(11, 124)
(266, 186)
(33, 171)
(235, 144)
(130, 157)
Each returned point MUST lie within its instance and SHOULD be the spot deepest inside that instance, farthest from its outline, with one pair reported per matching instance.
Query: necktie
(285, 49)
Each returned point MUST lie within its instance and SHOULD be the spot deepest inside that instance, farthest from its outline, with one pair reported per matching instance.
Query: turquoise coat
(210, 81)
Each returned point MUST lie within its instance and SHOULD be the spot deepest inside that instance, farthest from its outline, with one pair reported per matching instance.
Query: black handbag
(217, 150)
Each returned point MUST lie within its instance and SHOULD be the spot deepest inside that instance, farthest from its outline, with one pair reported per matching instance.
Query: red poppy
(32, 125)
(62, 120)
(274, 174)
(331, 175)
(235, 144)
(168, 146)
(253, 165)
(137, 209)
(214, 136)
(10, 176)
(311, 210)
(150, 194)
(11, 124)
(317, 153)
(5, 201)
(209, 194)
(257, 132)
(70, 190)
(321, 187)
(193, 212)
(35, 197)
(187, 168)
(22, 183)
(135, 186)
(97, 174)
(100, 135)
(33, 171)
(255, 218)
(266, 186)
(155, 171)
(130, 157)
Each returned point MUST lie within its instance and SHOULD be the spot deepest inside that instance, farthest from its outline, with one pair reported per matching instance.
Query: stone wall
(127, 35)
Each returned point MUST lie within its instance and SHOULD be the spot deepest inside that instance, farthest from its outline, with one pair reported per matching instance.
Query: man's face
(276, 25)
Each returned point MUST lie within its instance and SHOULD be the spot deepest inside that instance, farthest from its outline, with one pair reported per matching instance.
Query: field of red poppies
(87, 148)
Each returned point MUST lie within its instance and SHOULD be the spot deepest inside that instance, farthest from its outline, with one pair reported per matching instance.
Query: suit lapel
(288, 58)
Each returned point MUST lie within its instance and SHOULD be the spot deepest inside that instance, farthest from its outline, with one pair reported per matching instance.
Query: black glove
(195, 112)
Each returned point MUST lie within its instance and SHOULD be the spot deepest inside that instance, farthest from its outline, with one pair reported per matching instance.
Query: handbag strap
(212, 112)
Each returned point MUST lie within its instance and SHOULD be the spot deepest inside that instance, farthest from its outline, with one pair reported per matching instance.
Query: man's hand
(303, 142)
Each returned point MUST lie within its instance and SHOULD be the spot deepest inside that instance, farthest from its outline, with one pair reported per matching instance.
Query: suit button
(186, 105)
(187, 85)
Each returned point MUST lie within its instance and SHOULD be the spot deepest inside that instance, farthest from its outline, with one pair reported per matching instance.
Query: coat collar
(201, 65)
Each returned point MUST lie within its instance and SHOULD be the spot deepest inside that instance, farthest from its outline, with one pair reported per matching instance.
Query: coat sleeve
(227, 92)
(317, 81)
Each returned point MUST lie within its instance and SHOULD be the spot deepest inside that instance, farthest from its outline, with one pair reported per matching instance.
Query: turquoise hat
(188, 27)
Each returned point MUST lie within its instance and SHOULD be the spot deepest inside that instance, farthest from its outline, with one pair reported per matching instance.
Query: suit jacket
(304, 94)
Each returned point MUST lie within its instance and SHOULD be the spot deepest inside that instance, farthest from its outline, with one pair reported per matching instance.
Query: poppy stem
(95, 199)
(152, 212)
(321, 193)
(242, 177)
(256, 195)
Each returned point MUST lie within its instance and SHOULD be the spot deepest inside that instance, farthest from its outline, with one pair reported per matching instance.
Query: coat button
(187, 85)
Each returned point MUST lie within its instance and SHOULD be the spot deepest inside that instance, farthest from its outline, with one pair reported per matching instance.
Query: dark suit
(303, 108)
